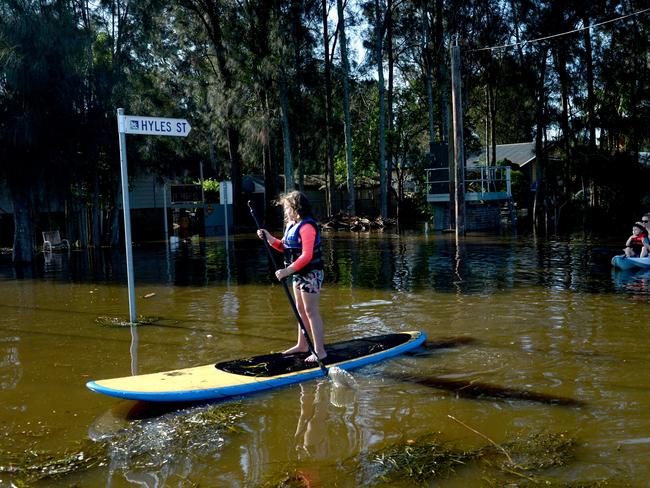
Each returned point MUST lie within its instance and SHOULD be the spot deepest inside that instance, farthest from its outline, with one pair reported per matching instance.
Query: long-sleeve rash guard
(308, 238)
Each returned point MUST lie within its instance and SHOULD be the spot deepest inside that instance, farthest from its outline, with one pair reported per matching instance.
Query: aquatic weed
(531, 452)
(419, 460)
(117, 322)
(143, 444)
(32, 465)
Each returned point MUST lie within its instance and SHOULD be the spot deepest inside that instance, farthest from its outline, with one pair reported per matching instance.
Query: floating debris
(118, 322)
(149, 295)
(355, 223)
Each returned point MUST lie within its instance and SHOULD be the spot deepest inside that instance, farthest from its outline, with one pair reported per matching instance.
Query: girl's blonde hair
(296, 201)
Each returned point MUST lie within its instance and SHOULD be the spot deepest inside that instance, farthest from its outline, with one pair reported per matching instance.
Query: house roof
(520, 153)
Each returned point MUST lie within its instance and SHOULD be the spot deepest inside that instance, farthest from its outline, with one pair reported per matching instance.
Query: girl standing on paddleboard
(303, 259)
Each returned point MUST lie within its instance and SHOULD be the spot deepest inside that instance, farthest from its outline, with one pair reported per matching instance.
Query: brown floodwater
(542, 338)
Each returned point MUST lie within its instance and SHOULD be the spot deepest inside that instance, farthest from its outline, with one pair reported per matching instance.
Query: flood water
(522, 315)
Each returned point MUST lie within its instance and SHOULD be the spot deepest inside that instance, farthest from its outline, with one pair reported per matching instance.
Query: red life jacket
(636, 243)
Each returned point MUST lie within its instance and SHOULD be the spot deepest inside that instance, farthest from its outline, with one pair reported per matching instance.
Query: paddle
(288, 293)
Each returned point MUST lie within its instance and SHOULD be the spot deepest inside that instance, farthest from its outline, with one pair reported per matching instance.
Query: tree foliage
(251, 78)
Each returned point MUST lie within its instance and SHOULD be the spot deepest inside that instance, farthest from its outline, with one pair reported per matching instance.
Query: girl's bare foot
(295, 349)
(312, 358)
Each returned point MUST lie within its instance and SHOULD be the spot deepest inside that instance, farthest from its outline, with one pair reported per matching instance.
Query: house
(488, 189)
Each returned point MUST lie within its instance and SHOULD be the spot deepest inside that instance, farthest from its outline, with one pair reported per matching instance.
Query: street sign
(153, 126)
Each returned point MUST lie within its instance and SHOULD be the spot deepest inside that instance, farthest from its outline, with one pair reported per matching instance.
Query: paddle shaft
(303, 330)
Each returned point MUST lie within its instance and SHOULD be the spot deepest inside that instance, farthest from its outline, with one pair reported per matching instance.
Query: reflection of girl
(303, 259)
(311, 435)
(634, 245)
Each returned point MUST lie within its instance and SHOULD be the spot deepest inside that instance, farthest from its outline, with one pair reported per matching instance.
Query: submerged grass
(416, 461)
(520, 462)
(419, 460)
(118, 322)
(144, 443)
(32, 465)
(539, 451)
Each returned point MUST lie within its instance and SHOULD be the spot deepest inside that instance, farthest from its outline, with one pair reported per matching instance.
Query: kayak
(249, 375)
(624, 262)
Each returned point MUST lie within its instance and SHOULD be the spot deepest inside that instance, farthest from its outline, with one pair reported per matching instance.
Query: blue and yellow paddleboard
(242, 376)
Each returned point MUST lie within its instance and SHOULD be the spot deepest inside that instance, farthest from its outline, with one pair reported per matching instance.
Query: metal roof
(520, 153)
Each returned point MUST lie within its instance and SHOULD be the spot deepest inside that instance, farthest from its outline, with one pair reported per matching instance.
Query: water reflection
(636, 282)
(10, 365)
(401, 262)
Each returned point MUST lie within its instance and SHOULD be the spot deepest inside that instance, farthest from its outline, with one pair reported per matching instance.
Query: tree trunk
(591, 119)
(493, 124)
(390, 156)
(428, 77)
(346, 108)
(270, 174)
(329, 148)
(383, 210)
(560, 59)
(210, 15)
(114, 238)
(444, 121)
(96, 213)
(635, 89)
(238, 206)
(289, 184)
(539, 141)
(23, 249)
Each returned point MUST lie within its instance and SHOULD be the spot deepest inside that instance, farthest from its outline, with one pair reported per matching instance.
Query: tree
(329, 147)
(40, 88)
(216, 16)
(345, 73)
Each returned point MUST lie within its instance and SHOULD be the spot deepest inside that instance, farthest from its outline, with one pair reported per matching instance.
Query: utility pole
(459, 147)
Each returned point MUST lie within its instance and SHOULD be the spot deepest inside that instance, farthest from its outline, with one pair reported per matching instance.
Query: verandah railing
(481, 183)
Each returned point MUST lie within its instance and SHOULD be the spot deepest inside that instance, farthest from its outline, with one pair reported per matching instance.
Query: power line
(561, 34)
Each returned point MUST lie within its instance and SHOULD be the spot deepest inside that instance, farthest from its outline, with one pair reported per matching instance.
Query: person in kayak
(303, 260)
(645, 220)
(634, 246)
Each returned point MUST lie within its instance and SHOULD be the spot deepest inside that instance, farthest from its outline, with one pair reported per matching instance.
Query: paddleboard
(623, 262)
(248, 375)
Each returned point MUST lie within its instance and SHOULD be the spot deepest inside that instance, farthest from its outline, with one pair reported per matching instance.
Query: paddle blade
(341, 377)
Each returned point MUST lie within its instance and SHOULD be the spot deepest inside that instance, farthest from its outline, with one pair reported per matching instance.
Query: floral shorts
(310, 282)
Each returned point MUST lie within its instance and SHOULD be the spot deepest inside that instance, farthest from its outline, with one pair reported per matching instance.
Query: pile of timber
(355, 223)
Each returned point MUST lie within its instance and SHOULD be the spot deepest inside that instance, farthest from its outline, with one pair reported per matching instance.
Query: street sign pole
(127, 215)
(225, 199)
(140, 125)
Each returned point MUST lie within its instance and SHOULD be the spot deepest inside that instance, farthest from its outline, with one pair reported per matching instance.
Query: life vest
(636, 243)
(293, 246)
